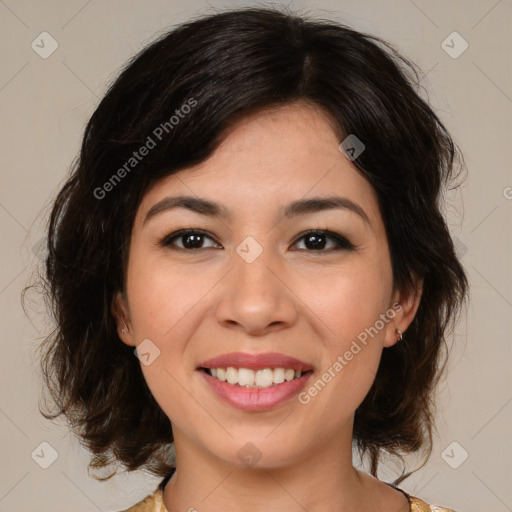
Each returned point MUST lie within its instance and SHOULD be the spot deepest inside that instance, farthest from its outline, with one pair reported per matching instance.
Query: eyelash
(341, 241)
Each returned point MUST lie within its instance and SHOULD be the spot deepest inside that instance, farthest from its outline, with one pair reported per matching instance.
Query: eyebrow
(294, 209)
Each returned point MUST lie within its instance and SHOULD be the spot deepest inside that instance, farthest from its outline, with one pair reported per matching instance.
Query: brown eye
(190, 239)
(318, 239)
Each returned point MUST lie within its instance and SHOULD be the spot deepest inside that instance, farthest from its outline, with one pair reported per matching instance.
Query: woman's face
(254, 283)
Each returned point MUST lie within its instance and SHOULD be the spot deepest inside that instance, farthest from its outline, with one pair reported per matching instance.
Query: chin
(258, 451)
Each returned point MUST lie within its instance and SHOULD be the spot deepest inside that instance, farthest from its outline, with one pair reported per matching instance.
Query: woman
(255, 215)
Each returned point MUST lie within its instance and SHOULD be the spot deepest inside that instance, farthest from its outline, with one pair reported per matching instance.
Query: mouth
(255, 382)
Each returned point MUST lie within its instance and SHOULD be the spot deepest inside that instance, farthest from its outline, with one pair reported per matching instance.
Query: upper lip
(256, 361)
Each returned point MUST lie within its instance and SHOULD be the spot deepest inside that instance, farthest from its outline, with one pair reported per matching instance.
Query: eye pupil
(313, 241)
(194, 240)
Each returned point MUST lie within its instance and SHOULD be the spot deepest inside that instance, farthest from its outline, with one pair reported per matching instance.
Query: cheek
(350, 308)
(350, 300)
(163, 296)
(165, 305)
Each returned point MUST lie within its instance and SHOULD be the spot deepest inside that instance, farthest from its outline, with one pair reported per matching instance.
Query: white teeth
(289, 374)
(232, 375)
(264, 378)
(246, 377)
(259, 379)
(278, 375)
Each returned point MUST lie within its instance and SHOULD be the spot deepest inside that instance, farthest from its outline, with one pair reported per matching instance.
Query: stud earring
(124, 329)
(400, 337)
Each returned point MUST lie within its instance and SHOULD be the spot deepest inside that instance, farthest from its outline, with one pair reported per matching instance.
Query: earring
(124, 329)
(400, 337)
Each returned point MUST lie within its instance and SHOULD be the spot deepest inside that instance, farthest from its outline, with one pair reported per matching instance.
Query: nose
(256, 298)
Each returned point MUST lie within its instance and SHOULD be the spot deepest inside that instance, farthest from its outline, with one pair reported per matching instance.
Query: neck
(321, 478)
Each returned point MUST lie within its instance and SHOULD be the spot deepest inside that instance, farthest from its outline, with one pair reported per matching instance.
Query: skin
(194, 304)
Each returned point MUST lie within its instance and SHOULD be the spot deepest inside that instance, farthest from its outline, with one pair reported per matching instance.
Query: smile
(255, 382)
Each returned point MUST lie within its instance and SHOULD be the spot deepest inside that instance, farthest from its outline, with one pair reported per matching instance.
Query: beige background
(44, 104)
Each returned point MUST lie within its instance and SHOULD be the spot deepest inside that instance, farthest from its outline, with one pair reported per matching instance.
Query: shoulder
(151, 503)
(418, 505)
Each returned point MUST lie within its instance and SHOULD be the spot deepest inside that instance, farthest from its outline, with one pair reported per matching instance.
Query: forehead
(273, 156)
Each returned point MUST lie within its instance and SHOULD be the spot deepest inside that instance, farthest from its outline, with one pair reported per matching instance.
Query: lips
(252, 399)
(256, 361)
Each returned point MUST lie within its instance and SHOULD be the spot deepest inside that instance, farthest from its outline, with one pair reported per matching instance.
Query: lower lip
(249, 399)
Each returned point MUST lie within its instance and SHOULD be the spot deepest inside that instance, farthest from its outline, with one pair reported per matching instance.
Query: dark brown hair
(225, 66)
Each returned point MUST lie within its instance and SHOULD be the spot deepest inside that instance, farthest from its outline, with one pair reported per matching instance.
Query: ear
(405, 307)
(121, 314)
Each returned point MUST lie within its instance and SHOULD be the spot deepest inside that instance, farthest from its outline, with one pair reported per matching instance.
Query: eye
(316, 240)
(192, 239)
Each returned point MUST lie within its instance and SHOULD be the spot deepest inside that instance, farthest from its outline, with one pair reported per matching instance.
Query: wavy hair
(225, 66)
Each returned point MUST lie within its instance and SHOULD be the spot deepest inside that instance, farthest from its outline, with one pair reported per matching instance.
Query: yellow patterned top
(154, 503)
